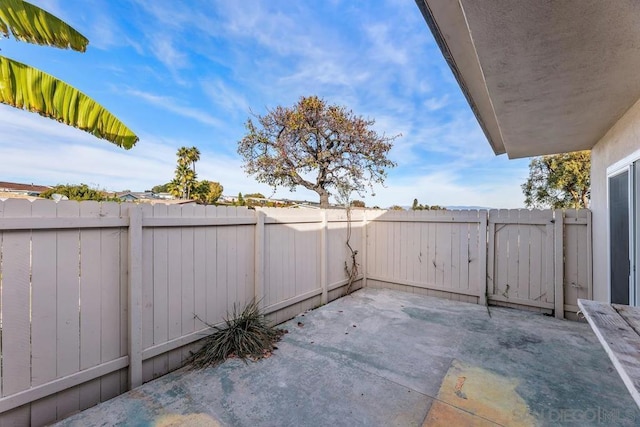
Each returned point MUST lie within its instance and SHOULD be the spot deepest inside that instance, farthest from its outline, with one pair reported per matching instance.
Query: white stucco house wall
(552, 76)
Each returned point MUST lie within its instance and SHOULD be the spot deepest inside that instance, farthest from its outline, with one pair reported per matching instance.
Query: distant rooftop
(19, 187)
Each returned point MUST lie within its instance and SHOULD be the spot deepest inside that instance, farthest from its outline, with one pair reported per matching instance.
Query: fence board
(221, 255)
(232, 261)
(174, 269)
(548, 257)
(90, 302)
(457, 246)
(112, 303)
(337, 252)
(513, 255)
(584, 260)
(571, 259)
(423, 255)
(287, 262)
(379, 248)
(126, 264)
(43, 317)
(404, 249)
(502, 254)
(160, 288)
(200, 271)
(481, 247)
(147, 283)
(274, 242)
(577, 266)
(414, 262)
(246, 260)
(187, 280)
(68, 325)
(16, 330)
(536, 252)
(211, 246)
(307, 272)
(524, 257)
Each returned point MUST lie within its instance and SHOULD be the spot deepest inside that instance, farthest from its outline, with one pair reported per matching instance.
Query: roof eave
(495, 141)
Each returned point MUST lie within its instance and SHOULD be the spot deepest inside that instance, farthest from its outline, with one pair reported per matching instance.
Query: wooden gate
(522, 249)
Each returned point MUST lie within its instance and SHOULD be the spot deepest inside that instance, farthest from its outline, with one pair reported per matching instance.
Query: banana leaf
(28, 88)
(31, 24)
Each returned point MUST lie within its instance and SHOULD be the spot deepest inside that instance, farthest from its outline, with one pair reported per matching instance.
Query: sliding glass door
(619, 237)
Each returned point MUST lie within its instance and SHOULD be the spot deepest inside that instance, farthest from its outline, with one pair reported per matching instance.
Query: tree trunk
(585, 200)
(324, 199)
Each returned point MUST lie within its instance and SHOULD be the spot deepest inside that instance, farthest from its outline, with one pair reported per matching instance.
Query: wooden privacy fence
(538, 260)
(96, 298)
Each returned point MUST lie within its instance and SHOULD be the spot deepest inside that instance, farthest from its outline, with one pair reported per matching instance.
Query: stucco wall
(622, 140)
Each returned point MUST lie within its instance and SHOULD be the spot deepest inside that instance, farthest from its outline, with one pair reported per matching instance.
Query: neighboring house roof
(136, 194)
(144, 196)
(26, 188)
(542, 77)
(127, 196)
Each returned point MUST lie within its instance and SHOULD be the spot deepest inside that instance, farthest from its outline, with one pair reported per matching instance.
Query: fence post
(135, 296)
(259, 258)
(589, 256)
(558, 263)
(324, 246)
(482, 255)
(492, 217)
(364, 249)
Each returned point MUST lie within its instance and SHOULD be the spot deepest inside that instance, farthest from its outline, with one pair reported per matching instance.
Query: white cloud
(384, 49)
(226, 97)
(164, 50)
(172, 105)
(436, 103)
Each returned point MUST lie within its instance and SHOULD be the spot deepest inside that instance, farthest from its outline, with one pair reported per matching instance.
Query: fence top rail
(201, 216)
(38, 223)
(196, 221)
(270, 220)
(442, 216)
(434, 220)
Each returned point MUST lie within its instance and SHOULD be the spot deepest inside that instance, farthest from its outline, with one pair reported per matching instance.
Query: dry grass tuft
(245, 335)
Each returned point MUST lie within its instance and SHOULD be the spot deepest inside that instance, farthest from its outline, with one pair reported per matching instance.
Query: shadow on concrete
(388, 358)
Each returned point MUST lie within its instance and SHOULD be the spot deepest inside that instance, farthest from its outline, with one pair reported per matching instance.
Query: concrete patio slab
(388, 358)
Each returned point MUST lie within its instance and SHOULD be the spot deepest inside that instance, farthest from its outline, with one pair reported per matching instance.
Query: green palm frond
(31, 24)
(28, 88)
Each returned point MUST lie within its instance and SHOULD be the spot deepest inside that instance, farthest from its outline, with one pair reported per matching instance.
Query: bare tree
(315, 145)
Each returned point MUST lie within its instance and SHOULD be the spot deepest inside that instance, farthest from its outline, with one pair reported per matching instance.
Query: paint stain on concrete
(426, 315)
(458, 387)
(190, 420)
(518, 340)
(473, 396)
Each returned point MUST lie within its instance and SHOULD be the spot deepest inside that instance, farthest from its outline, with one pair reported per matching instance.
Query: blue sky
(185, 73)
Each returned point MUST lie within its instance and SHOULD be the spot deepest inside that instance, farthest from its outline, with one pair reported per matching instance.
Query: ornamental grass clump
(245, 335)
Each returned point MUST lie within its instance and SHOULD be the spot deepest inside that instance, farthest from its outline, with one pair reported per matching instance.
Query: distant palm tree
(189, 156)
(185, 176)
(28, 88)
(183, 154)
(194, 156)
